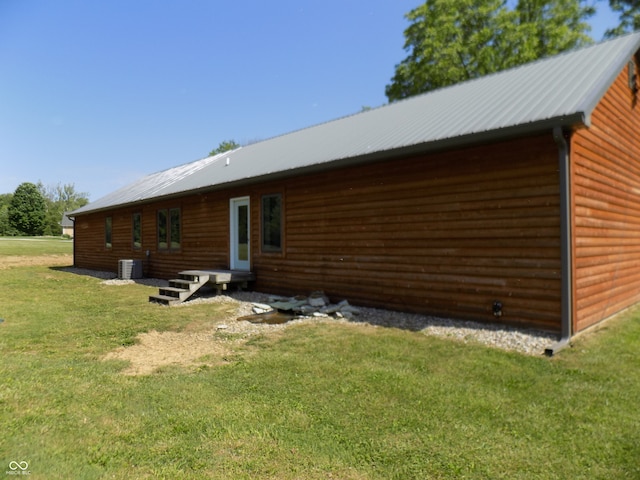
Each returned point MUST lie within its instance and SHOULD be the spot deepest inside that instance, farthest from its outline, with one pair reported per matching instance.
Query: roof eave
(576, 120)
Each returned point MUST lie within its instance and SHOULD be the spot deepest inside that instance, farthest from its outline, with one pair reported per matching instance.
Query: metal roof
(558, 91)
(66, 221)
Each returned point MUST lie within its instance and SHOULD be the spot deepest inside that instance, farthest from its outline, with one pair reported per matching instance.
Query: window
(107, 232)
(169, 229)
(174, 227)
(162, 229)
(137, 230)
(272, 223)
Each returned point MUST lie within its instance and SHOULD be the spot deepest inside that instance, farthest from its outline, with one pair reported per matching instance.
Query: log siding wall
(204, 242)
(445, 234)
(606, 203)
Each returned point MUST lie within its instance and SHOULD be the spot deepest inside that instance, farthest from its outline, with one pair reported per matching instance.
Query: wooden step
(190, 285)
(180, 289)
(190, 281)
(179, 293)
(164, 299)
(194, 276)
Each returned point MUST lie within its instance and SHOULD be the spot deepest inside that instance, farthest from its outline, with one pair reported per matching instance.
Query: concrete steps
(190, 281)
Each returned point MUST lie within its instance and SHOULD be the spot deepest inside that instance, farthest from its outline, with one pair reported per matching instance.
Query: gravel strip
(110, 278)
(529, 342)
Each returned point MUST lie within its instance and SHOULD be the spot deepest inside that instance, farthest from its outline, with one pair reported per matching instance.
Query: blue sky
(100, 93)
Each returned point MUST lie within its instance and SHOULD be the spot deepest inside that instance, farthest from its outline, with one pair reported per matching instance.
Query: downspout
(73, 219)
(565, 244)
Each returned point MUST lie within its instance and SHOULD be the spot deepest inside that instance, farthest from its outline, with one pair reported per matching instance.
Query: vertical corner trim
(565, 243)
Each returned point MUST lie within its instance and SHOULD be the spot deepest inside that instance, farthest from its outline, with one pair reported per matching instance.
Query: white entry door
(240, 234)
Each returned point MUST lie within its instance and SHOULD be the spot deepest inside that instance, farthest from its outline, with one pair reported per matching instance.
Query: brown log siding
(445, 234)
(204, 242)
(606, 202)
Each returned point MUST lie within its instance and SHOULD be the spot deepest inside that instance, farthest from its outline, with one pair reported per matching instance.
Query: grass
(318, 401)
(29, 246)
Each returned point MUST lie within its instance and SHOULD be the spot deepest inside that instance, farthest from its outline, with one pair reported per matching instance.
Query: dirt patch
(11, 261)
(197, 345)
(160, 349)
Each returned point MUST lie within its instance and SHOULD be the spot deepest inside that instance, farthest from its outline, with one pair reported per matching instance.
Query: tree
(224, 146)
(629, 11)
(549, 27)
(59, 199)
(27, 210)
(450, 41)
(5, 200)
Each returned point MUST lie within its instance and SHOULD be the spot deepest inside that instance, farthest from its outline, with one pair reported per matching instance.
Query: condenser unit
(129, 269)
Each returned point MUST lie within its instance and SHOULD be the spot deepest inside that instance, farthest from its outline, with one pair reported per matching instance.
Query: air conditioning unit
(129, 269)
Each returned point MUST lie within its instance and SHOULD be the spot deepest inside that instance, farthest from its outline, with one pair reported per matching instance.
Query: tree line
(34, 209)
(450, 41)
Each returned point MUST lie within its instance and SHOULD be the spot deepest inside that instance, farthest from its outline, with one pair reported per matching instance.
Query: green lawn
(318, 401)
(35, 246)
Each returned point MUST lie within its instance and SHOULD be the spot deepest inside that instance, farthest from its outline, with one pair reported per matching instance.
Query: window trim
(134, 216)
(264, 247)
(169, 229)
(108, 232)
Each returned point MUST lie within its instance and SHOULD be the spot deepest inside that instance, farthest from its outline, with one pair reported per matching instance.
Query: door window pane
(243, 234)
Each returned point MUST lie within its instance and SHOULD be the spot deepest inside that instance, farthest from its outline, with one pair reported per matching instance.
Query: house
(513, 198)
(67, 225)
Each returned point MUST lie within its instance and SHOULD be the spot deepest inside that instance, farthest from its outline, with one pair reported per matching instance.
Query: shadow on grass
(111, 277)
